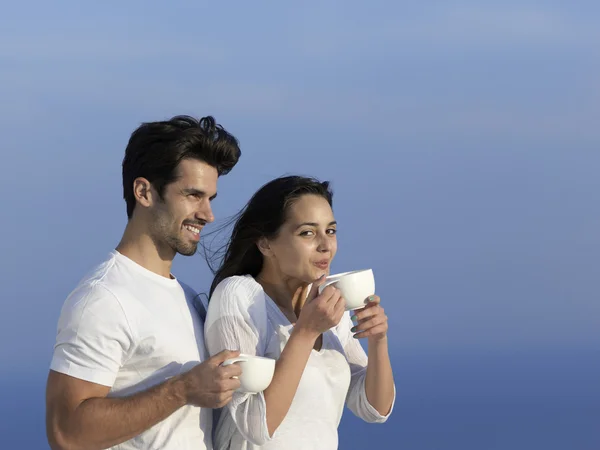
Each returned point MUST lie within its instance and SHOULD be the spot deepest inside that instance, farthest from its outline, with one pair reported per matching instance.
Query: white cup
(355, 286)
(257, 372)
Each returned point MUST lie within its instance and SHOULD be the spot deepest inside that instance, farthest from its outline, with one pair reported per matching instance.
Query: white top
(241, 316)
(129, 328)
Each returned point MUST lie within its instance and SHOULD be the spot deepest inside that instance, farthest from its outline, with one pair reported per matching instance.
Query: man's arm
(79, 416)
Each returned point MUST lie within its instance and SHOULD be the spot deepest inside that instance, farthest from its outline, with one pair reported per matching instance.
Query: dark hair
(155, 150)
(262, 216)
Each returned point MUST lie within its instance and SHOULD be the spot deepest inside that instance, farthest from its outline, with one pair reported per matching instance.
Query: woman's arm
(372, 391)
(236, 322)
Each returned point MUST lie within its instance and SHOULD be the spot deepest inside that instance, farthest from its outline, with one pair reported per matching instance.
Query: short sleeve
(94, 338)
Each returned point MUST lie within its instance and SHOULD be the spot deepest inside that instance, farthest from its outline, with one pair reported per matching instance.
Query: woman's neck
(280, 288)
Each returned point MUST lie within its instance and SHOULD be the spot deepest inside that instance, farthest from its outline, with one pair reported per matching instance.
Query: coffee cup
(257, 372)
(356, 286)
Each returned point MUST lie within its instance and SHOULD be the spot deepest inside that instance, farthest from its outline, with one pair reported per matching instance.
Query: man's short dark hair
(155, 150)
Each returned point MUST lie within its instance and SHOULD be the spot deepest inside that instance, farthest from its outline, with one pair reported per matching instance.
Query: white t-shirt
(129, 328)
(241, 316)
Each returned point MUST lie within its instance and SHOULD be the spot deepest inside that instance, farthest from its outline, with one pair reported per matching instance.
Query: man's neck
(140, 248)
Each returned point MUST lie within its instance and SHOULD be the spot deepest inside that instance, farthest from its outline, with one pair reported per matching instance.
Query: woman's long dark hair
(262, 216)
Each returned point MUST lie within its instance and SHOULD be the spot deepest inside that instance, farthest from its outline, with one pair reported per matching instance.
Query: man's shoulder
(95, 278)
(190, 292)
(91, 299)
(99, 284)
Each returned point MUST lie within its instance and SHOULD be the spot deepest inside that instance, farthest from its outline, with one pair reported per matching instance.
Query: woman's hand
(371, 321)
(320, 312)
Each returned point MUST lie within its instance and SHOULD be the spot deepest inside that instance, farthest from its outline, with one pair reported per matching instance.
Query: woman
(264, 301)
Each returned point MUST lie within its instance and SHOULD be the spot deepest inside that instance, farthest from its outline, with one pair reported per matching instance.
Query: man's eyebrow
(194, 191)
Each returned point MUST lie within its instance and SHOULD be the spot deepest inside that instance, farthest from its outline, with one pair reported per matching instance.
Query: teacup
(257, 372)
(355, 286)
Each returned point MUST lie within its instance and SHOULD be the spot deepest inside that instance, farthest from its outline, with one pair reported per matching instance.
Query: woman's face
(306, 242)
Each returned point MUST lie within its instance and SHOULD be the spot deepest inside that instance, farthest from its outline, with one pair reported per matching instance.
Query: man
(129, 369)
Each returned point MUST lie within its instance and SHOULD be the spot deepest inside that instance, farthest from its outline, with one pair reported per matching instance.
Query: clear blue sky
(462, 142)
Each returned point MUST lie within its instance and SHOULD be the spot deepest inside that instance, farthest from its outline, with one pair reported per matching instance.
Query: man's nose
(205, 213)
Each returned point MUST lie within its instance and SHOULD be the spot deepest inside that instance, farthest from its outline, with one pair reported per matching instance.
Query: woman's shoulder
(238, 296)
(238, 283)
(237, 287)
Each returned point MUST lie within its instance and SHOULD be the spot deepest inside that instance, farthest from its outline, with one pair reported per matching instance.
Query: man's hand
(211, 385)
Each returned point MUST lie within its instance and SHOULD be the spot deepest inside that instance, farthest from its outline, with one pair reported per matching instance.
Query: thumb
(221, 357)
(299, 299)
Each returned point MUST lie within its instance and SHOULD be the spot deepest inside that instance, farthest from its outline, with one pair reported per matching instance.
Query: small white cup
(257, 372)
(356, 287)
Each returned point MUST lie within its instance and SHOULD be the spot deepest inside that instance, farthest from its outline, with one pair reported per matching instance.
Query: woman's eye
(306, 233)
(332, 231)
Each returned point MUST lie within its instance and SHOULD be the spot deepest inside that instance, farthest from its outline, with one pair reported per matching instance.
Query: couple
(134, 366)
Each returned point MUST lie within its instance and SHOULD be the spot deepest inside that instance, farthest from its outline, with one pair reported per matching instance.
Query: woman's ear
(264, 246)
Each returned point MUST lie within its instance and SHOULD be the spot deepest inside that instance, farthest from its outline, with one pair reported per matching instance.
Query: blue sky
(461, 139)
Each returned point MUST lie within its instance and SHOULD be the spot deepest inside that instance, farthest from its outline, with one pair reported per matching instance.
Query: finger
(224, 398)
(368, 324)
(221, 357)
(332, 296)
(299, 298)
(365, 313)
(372, 301)
(340, 306)
(324, 297)
(232, 370)
(298, 294)
(379, 330)
(230, 385)
(314, 289)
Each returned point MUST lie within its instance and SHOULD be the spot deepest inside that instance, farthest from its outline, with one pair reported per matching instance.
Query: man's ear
(264, 246)
(142, 191)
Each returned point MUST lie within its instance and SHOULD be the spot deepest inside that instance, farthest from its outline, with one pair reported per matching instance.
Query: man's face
(177, 220)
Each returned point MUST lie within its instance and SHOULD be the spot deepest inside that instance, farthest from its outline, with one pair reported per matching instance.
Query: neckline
(290, 325)
(170, 282)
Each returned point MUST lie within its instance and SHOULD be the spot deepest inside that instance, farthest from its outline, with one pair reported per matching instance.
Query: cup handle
(228, 362)
(234, 360)
(324, 285)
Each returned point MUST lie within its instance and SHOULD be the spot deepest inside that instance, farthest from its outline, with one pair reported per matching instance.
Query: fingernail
(353, 329)
(371, 298)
